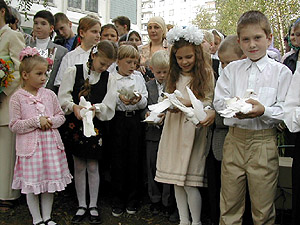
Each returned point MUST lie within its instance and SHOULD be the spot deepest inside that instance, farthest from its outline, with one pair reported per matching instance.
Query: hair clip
(28, 52)
(95, 49)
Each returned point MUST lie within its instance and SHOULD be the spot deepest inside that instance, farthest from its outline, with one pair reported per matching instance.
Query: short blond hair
(127, 51)
(160, 59)
(208, 36)
(231, 42)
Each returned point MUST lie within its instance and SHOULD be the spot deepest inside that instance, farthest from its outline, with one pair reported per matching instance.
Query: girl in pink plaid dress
(41, 167)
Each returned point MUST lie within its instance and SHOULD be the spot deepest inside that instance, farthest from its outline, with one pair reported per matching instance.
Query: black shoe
(78, 218)
(117, 212)
(155, 208)
(174, 217)
(131, 210)
(49, 220)
(94, 219)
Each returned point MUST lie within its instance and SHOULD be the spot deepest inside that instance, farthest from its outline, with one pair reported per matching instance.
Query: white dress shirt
(270, 81)
(77, 56)
(139, 86)
(104, 110)
(292, 104)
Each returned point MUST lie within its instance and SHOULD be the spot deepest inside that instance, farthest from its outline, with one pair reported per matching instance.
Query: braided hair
(104, 48)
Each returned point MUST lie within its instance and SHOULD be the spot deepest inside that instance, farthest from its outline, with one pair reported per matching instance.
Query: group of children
(177, 151)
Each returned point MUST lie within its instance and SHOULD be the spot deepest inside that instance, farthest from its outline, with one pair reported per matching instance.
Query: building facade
(175, 12)
(106, 10)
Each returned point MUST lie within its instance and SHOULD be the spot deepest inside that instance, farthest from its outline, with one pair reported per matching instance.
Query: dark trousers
(296, 183)
(158, 192)
(125, 157)
(213, 167)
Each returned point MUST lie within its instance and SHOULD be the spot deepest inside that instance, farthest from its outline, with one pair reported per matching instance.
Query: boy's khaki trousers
(251, 155)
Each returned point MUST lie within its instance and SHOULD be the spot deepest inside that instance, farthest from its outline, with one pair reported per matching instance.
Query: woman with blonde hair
(157, 31)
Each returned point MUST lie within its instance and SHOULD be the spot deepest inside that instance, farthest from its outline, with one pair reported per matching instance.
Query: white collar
(261, 64)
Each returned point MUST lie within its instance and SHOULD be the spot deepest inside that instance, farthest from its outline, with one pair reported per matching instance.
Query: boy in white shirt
(250, 148)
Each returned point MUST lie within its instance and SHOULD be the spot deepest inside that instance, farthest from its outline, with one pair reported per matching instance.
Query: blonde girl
(89, 35)
(41, 165)
(90, 80)
(181, 159)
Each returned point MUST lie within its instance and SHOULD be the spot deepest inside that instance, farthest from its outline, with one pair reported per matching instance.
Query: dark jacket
(291, 61)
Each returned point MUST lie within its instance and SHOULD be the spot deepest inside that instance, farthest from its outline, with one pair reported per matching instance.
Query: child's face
(135, 39)
(160, 73)
(206, 46)
(64, 29)
(216, 45)
(297, 36)
(185, 57)
(254, 42)
(293, 37)
(109, 34)
(91, 36)
(127, 66)
(36, 78)
(41, 28)
(227, 57)
(100, 63)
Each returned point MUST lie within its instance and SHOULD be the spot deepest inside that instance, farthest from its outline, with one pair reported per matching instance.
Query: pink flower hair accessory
(28, 52)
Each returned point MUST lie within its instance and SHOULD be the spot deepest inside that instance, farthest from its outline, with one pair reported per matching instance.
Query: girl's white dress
(181, 152)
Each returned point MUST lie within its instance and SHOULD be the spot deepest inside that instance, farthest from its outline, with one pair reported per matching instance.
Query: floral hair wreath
(190, 33)
(28, 52)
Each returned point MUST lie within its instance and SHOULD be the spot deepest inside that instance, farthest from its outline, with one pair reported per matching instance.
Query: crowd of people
(74, 112)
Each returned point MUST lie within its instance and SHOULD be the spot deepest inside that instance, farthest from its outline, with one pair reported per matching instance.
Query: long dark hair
(201, 82)
(7, 17)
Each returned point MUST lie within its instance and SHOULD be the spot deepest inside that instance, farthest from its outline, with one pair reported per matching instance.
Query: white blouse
(104, 110)
(292, 104)
(127, 81)
(77, 56)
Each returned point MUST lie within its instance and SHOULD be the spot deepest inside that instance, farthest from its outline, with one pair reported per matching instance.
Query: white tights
(188, 200)
(82, 165)
(34, 206)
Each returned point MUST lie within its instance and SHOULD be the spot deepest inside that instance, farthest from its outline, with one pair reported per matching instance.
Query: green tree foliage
(281, 14)
(204, 19)
(25, 5)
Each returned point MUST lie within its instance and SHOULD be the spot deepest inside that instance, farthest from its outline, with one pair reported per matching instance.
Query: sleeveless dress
(72, 130)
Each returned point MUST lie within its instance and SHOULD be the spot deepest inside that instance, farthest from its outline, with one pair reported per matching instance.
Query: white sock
(46, 205)
(94, 182)
(80, 183)
(182, 205)
(34, 207)
(195, 203)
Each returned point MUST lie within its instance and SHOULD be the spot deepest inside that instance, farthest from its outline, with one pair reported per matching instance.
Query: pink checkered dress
(45, 171)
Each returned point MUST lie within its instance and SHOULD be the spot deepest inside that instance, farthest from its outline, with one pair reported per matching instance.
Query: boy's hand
(147, 114)
(124, 99)
(45, 122)
(76, 110)
(257, 110)
(135, 99)
(162, 118)
(209, 119)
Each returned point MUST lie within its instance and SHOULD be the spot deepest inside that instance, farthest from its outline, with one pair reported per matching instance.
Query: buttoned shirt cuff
(267, 114)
